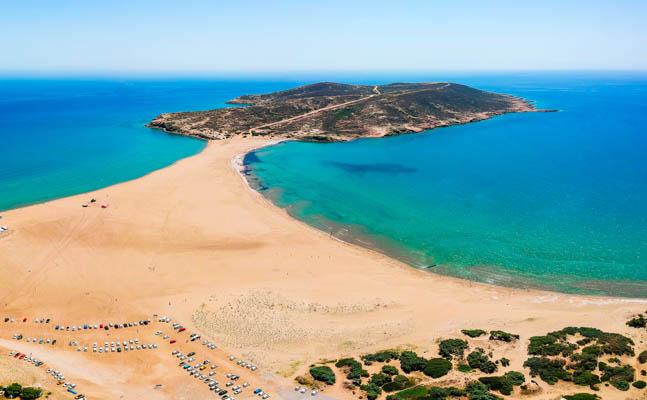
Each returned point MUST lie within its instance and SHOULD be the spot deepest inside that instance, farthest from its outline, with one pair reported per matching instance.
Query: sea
(554, 201)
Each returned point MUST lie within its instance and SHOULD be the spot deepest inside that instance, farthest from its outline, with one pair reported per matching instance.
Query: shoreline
(237, 163)
(175, 242)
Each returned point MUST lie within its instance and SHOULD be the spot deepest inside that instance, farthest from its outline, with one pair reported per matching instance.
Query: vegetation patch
(464, 368)
(503, 336)
(390, 370)
(581, 396)
(479, 360)
(16, 390)
(355, 370)
(642, 357)
(473, 333)
(504, 384)
(639, 384)
(323, 374)
(410, 361)
(380, 379)
(437, 367)
(372, 391)
(380, 356)
(550, 371)
(639, 321)
(450, 348)
(399, 382)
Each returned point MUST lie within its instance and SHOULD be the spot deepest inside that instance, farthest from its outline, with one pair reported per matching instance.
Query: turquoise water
(555, 201)
(61, 137)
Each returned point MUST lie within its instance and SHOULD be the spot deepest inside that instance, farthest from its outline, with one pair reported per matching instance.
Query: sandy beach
(195, 243)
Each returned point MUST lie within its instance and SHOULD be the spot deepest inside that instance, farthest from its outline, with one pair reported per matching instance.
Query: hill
(329, 111)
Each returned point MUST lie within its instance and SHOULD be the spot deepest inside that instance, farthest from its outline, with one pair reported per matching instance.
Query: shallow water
(544, 200)
(60, 137)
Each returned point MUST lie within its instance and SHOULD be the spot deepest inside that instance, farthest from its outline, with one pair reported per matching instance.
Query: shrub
(355, 373)
(380, 379)
(624, 373)
(620, 385)
(550, 371)
(548, 346)
(503, 336)
(464, 368)
(497, 383)
(615, 343)
(439, 393)
(516, 378)
(399, 382)
(452, 347)
(642, 357)
(323, 374)
(389, 370)
(13, 390)
(585, 378)
(372, 391)
(410, 361)
(480, 361)
(473, 333)
(380, 356)
(30, 393)
(437, 367)
(479, 391)
(504, 362)
(638, 321)
(581, 396)
(639, 384)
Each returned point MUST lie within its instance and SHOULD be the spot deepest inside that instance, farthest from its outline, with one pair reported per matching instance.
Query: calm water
(64, 137)
(546, 200)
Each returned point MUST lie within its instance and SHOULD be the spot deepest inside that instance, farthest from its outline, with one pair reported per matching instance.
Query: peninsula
(331, 112)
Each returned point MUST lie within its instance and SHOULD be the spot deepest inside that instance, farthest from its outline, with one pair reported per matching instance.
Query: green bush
(581, 396)
(389, 370)
(380, 379)
(380, 356)
(620, 385)
(623, 373)
(550, 371)
(452, 347)
(497, 383)
(399, 382)
(516, 378)
(410, 361)
(639, 321)
(615, 343)
(13, 390)
(473, 333)
(585, 378)
(437, 367)
(549, 345)
(355, 373)
(323, 374)
(480, 361)
(503, 336)
(639, 384)
(464, 368)
(479, 391)
(372, 391)
(439, 393)
(642, 357)
(504, 362)
(29, 393)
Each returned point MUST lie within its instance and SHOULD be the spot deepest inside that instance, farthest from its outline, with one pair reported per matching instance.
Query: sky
(204, 37)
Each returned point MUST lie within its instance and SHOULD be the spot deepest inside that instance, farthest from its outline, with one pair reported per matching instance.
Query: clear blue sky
(66, 36)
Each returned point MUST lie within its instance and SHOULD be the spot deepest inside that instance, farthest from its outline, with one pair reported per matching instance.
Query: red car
(101, 326)
(24, 320)
(182, 330)
(172, 341)
(22, 356)
(16, 355)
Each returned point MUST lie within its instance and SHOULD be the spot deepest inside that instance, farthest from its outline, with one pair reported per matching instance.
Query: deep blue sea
(555, 201)
(544, 200)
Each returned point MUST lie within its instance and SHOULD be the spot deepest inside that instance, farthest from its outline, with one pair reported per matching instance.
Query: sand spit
(192, 242)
